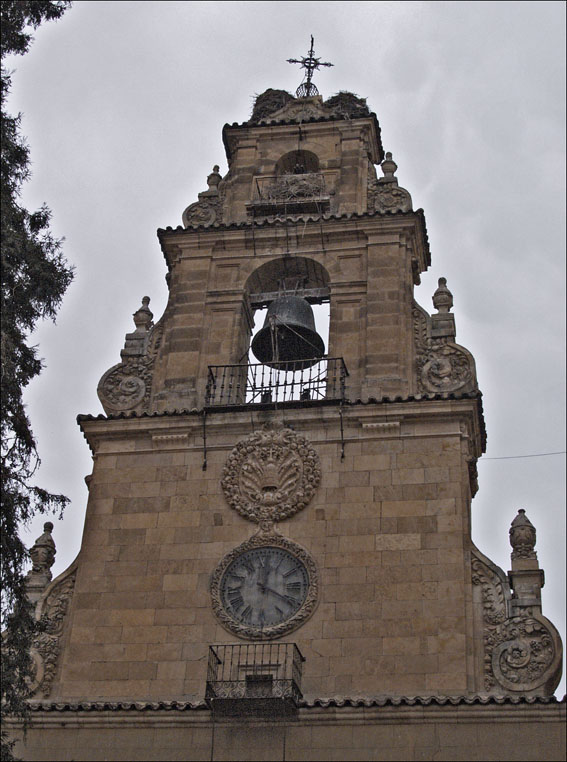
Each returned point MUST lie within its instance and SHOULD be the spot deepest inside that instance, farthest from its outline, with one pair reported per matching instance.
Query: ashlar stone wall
(388, 528)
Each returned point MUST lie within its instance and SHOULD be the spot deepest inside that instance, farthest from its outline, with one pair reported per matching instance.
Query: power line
(534, 455)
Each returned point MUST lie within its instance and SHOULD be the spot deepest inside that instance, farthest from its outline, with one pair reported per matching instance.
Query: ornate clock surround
(267, 537)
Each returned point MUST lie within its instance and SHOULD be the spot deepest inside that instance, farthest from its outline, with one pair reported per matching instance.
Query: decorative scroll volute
(522, 653)
(441, 365)
(52, 611)
(384, 194)
(126, 387)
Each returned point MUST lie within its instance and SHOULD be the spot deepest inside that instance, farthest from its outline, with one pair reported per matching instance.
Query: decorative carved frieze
(271, 474)
(170, 441)
(46, 646)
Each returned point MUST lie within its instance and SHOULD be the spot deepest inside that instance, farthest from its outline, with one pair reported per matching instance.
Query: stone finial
(42, 555)
(143, 316)
(522, 537)
(389, 166)
(442, 298)
(214, 179)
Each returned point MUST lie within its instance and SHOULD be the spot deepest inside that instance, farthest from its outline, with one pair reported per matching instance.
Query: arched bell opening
(297, 163)
(287, 303)
(283, 294)
(288, 348)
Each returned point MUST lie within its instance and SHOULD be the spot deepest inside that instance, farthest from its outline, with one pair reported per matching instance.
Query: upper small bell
(288, 335)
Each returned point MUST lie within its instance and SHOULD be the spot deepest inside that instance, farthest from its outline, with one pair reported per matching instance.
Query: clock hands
(287, 598)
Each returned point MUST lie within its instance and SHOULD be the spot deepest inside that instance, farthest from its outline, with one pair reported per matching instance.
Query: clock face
(264, 587)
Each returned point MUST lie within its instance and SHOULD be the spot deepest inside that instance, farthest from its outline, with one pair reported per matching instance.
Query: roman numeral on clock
(293, 587)
(234, 597)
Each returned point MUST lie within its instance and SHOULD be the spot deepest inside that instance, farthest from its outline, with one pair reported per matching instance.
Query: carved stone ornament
(388, 198)
(42, 555)
(126, 385)
(271, 474)
(521, 653)
(384, 194)
(441, 365)
(46, 646)
(294, 187)
(203, 213)
(299, 111)
(270, 541)
(446, 367)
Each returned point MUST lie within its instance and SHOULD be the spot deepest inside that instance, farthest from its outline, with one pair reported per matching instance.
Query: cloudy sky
(123, 107)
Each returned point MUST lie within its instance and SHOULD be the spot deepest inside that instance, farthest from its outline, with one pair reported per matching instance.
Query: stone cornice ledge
(336, 710)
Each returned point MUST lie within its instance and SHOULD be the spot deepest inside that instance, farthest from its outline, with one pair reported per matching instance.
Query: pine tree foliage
(34, 277)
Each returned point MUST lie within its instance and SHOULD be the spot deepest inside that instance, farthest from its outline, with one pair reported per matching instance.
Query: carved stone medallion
(265, 588)
(126, 385)
(522, 652)
(447, 370)
(271, 474)
(204, 213)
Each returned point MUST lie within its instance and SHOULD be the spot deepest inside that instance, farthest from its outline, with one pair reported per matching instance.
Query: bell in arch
(288, 335)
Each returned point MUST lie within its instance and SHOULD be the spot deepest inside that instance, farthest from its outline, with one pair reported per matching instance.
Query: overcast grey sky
(123, 107)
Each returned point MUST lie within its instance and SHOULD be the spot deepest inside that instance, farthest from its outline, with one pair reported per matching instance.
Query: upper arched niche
(290, 274)
(297, 162)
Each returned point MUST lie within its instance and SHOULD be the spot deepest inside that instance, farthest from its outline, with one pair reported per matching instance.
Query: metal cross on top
(310, 63)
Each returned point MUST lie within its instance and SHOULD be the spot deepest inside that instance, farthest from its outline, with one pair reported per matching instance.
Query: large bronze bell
(288, 335)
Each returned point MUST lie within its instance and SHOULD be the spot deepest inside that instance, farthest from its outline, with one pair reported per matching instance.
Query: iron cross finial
(311, 64)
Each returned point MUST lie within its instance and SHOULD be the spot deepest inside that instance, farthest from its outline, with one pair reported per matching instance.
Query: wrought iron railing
(295, 380)
(254, 671)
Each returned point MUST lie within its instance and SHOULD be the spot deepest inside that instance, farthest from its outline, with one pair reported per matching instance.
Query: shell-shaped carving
(271, 474)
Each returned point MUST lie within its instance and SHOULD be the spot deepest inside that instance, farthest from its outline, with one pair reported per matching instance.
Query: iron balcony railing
(255, 672)
(294, 380)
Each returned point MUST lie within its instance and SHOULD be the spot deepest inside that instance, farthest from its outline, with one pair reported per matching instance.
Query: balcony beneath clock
(254, 679)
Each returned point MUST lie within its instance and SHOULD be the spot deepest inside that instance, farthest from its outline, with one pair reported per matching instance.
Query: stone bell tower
(286, 539)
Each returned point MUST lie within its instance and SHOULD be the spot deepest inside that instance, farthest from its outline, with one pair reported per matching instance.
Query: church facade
(277, 559)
